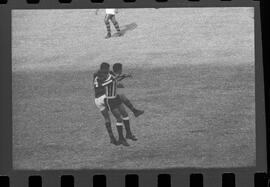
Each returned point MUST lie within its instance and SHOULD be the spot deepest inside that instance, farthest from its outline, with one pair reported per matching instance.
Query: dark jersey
(98, 87)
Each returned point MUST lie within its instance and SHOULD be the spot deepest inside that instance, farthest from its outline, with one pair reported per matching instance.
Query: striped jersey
(110, 85)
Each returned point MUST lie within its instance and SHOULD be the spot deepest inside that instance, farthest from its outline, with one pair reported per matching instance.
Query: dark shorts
(114, 103)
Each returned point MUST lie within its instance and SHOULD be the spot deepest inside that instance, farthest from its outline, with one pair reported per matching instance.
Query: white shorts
(100, 102)
(111, 11)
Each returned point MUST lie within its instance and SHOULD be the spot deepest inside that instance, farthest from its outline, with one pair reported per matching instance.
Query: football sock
(127, 127)
(109, 129)
(108, 27)
(120, 132)
(116, 26)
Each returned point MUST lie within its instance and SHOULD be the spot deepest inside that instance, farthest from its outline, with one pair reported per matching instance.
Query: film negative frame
(116, 178)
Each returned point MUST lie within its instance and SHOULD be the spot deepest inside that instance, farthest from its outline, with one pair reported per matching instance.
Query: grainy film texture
(192, 83)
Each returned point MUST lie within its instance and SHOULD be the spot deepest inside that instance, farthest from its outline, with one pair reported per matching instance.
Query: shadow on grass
(125, 28)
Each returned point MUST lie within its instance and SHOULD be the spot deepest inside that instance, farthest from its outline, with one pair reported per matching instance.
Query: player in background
(118, 110)
(110, 16)
(117, 71)
(100, 96)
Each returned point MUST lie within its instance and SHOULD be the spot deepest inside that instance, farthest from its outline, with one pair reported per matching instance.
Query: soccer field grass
(193, 76)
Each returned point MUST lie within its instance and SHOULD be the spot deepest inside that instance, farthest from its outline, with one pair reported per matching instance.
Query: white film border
(26, 47)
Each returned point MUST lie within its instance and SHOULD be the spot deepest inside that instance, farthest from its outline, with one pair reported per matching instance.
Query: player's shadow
(126, 28)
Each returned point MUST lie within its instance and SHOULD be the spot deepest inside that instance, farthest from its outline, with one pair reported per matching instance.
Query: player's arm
(107, 81)
(95, 80)
(94, 76)
(123, 76)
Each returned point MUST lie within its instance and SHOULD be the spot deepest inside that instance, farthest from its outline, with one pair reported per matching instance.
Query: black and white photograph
(140, 88)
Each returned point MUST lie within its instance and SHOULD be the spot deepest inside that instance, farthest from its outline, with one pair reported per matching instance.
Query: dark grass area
(196, 116)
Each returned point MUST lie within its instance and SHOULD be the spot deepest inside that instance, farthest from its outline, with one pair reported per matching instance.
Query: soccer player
(117, 71)
(100, 96)
(110, 16)
(116, 107)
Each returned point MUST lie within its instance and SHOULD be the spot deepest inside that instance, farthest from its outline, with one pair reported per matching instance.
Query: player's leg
(101, 105)
(126, 122)
(116, 25)
(105, 114)
(119, 125)
(127, 102)
(108, 26)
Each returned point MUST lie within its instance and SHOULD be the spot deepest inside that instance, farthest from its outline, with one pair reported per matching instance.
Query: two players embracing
(105, 84)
